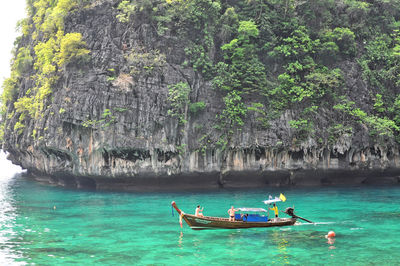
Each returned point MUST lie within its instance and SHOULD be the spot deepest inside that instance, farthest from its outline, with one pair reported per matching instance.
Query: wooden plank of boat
(208, 222)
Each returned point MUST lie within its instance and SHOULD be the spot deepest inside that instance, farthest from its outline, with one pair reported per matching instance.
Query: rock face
(109, 129)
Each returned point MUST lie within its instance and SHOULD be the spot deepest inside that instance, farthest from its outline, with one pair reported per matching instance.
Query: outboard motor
(290, 211)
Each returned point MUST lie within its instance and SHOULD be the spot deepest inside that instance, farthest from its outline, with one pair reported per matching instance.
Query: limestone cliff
(108, 122)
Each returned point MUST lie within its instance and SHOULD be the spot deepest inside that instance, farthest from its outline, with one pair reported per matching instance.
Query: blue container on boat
(256, 218)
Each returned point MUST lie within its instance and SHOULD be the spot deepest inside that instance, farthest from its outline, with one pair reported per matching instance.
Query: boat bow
(176, 207)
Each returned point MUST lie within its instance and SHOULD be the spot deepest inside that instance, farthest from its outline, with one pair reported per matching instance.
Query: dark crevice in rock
(129, 154)
(259, 153)
(375, 152)
(59, 154)
(297, 155)
(106, 158)
(165, 156)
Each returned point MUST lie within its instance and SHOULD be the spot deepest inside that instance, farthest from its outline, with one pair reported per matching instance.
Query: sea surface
(45, 225)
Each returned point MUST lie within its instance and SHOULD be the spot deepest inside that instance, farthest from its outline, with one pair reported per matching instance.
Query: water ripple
(7, 212)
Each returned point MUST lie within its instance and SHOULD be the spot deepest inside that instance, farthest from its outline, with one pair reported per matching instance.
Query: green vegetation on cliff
(264, 59)
(289, 55)
(49, 50)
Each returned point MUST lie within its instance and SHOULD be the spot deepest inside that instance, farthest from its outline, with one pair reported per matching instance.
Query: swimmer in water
(331, 239)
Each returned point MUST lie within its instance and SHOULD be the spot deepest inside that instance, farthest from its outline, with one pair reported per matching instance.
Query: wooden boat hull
(198, 223)
(208, 222)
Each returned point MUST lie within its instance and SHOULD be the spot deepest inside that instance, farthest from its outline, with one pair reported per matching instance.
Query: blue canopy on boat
(252, 209)
(270, 201)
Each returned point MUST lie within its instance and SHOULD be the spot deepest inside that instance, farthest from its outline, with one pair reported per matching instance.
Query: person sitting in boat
(199, 212)
(275, 209)
(231, 212)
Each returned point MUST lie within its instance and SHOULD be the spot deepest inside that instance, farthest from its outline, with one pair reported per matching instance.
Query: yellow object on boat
(282, 197)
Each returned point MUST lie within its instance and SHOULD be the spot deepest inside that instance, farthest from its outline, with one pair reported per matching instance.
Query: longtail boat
(241, 220)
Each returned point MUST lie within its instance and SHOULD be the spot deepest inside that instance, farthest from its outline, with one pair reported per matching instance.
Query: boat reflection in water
(282, 256)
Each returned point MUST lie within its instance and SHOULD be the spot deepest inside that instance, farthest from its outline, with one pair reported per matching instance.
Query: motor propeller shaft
(290, 211)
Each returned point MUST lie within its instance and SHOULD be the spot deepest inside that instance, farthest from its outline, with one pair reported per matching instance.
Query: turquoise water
(46, 225)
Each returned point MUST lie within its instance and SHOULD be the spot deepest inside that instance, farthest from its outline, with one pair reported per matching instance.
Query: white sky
(10, 13)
